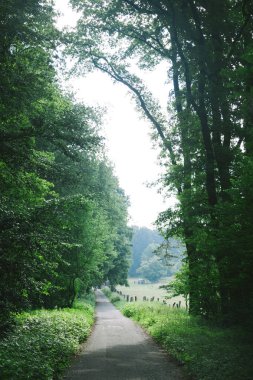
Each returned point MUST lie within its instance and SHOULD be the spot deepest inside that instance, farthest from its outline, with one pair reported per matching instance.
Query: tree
(63, 216)
(23, 87)
(142, 238)
(179, 286)
(208, 138)
(152, 267)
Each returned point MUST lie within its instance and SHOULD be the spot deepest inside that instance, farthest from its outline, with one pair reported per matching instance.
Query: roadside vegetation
(42, 343)
(206, 351)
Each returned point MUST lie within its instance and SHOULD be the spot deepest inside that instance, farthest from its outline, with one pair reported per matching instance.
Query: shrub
(107, 292)
(114, 298)
(42, 344)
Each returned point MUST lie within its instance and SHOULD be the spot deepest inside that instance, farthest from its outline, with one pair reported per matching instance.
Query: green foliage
(207, 352)
(113, 297)
(180, 284)
(43, 342)
(107, 291)
(206, 139)
(63, 216)
(151, 267)
(150, 258)
(89, 298)
(142, 237)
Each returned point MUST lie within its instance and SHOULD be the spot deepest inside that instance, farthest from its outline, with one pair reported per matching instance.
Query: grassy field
(149, 290)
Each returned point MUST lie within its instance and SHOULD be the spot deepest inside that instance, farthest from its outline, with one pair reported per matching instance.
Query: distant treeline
(153, 257)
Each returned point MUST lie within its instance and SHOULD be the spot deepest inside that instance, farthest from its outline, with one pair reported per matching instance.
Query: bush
(107, 292)
(42, 343)
(114, 297)
(208, 352)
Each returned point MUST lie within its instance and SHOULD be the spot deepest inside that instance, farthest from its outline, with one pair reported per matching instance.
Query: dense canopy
(63, 214)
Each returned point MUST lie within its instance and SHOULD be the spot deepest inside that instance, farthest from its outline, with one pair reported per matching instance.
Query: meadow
(149, 290)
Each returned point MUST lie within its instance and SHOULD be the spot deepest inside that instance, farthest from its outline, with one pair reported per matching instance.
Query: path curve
(120, 349)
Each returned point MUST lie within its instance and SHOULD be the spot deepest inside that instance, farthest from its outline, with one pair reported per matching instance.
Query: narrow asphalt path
(119, 349)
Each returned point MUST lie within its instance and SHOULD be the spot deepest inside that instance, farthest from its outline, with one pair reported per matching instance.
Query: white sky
(129, 146)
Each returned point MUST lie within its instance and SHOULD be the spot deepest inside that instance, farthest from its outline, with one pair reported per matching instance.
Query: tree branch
(119, 78)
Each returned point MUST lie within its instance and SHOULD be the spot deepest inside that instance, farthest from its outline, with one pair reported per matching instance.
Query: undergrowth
(207, 352)
(114, 297)
(43, 342)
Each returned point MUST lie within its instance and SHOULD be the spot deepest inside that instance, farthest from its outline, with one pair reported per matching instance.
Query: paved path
(119, 349)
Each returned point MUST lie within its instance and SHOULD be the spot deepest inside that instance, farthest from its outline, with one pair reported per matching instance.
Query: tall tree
(63, 216)
(208, 142)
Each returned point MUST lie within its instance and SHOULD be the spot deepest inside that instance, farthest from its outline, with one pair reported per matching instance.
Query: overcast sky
(129, 146)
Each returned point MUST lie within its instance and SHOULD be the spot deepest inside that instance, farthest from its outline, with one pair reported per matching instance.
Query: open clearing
(149, 290)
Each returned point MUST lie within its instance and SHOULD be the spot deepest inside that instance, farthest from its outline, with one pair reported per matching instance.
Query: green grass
(149, 290)
(114, 297)
(207, 352)
(43, 342)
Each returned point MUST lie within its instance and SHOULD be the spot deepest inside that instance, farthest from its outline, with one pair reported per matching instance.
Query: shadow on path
(119, 349)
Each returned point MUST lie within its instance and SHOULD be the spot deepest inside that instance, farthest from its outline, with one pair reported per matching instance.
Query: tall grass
(43, 342)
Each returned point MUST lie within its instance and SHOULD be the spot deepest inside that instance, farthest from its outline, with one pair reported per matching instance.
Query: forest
(64, 221)
(63, 215)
